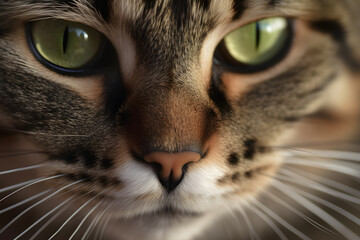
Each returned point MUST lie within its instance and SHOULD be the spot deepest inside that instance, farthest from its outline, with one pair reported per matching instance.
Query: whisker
(329, 205)
(22, 169)
(43, 217)
(36, 204)
(332, 154)
(18, 153)
(100, 231)
(78, 210)
(317, 144)
(330, 183)
(12, 130)
(230, 212)
(84, 219)
(269, 222)
(96, 220)
(5, 189)
(253, 234)
(48, 222)
(30, 184)
(297, 179)
(324, 165)
(280, 220)
(24, 201)
(303, 216)
(343, 230)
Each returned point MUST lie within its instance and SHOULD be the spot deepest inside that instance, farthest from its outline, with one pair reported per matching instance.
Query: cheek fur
(75, 149)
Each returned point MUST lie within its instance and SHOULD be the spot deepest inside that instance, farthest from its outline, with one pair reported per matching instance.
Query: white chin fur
(143, 194)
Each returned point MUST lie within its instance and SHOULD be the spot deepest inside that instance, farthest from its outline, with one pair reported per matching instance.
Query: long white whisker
(318, 145)
(30, 184)
(330, 183)
(43, 217)
(36, 204)
(84, 219)
(47, 134)
(5, 189)
(350, 170)
(303, 216)
(343, 155)
(269, 222)
(329, 205)
(96, 220)
(23, 202)
(20, 151)
(280, 220)
(48, 222)
(100, 231)
(252, 232)
(78, 210)
(346, 232)
(22, 169)
(297, 179)
(8, 154)
(231, 213)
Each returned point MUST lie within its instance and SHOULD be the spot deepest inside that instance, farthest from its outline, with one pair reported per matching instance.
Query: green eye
(67, 45)
(256, 44)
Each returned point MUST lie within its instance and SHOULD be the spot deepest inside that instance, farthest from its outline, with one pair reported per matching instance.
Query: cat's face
(168, 119)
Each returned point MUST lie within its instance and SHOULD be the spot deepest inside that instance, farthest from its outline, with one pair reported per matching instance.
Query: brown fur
(168, 95)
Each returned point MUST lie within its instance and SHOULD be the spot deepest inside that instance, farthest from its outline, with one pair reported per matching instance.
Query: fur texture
(165, 93)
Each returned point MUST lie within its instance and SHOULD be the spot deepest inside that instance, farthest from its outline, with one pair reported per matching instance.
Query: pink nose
(172, 163)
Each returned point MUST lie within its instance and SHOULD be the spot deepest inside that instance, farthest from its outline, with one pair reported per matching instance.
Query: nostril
(172, 163)
(170, 183)
(156, 167)
(170, 167)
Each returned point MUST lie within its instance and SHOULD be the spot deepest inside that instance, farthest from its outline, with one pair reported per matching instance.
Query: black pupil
(257, 35)
(65, 39)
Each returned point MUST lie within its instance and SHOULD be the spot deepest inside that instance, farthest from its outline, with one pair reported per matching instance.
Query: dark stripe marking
(292, 119)
(274, 3)
(249, 174)
(107, 163)
(250, 148)
(114, 93)
(89, 159)
(103, 7)
(102, 180)
(338, 34)
(236, 177)
(233, 159)
(70, 158)
(149, 5)
(218, 96)
(70, 3)
(204, 4)
(239, 6)
(181, 10)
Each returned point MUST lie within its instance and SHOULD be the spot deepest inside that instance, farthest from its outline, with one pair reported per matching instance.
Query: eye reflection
(277, 24)
(79, 33)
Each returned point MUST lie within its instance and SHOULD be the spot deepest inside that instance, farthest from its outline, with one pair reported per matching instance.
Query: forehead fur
(96, 12)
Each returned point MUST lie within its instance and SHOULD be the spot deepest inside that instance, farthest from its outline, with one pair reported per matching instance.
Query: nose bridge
(167, 118)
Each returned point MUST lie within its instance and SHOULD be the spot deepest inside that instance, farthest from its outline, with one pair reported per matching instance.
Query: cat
(169, 119)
